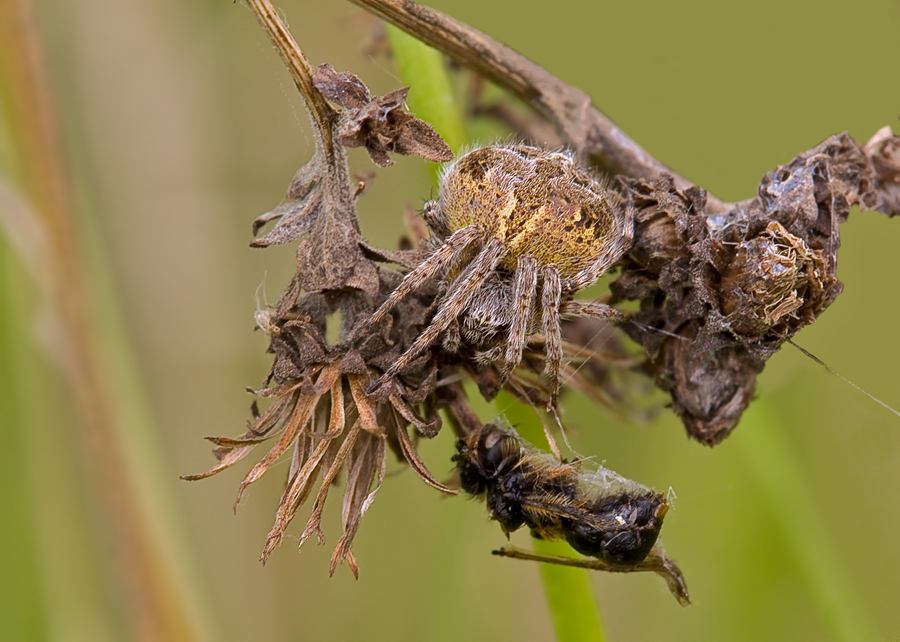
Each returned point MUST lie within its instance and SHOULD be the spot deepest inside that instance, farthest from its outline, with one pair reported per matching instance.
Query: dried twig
(584, 127)
(323, 115)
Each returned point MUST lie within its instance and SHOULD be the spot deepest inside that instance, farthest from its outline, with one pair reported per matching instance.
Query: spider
(516, 232)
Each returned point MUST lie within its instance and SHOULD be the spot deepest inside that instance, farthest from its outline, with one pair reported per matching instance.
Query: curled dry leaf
(379, 124)
(320, 205)
(321, 211)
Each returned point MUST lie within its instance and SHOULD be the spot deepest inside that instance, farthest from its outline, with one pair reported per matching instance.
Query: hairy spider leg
(453, 333)
(595, 309)
(525, 290)
(592, 273)
(447, 253)
(451, 307)
(550, 298)
(656, 562)
(452, 337)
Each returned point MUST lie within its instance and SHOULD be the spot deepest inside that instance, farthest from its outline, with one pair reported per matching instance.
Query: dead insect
(512, 221)
(598, 513)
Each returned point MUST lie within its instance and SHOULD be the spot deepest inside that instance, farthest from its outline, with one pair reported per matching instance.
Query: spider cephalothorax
(517, 231)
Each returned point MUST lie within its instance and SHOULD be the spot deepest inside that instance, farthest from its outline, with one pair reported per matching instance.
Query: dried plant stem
(570, 597)
(299, 67)
(788, 497)
(590, 132)
(144, 572)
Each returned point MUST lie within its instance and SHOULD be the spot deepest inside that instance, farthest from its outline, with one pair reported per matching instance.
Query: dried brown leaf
(379, 124)
(367, 458)
(313, 525)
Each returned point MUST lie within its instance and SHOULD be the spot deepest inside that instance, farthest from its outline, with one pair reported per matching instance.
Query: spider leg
(571, 309)
(481, 267)
(452, 337)
(525, 289)
(444, 255)
(550, 298)
(592, 273)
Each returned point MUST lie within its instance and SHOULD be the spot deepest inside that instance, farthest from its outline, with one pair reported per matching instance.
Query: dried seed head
(773, 279)
(322, 414)
(733, 286)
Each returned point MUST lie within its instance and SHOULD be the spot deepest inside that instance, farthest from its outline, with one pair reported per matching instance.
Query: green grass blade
(431, 93)
(568, 591)
(570, 597)
(569, 594)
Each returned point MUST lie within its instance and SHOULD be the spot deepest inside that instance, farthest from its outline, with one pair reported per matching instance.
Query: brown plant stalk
(583, 127)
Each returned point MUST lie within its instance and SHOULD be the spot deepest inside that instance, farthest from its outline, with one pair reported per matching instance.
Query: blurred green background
(181, 125)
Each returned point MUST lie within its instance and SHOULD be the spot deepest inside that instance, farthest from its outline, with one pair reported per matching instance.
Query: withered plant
(721, 286)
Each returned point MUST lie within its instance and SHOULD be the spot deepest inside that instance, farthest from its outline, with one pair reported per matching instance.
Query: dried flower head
(320, 410)
(728, 288)
(379, 124)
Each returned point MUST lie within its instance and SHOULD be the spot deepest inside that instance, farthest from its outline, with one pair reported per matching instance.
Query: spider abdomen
(537, 203)
(516, 232)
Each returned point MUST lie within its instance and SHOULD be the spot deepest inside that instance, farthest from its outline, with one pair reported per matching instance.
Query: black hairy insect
(600, 514)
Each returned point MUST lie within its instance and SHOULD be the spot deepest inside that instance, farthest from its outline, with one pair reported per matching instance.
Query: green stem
(568, 590)
(570, 597)
(785, 490)
(430, 91)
